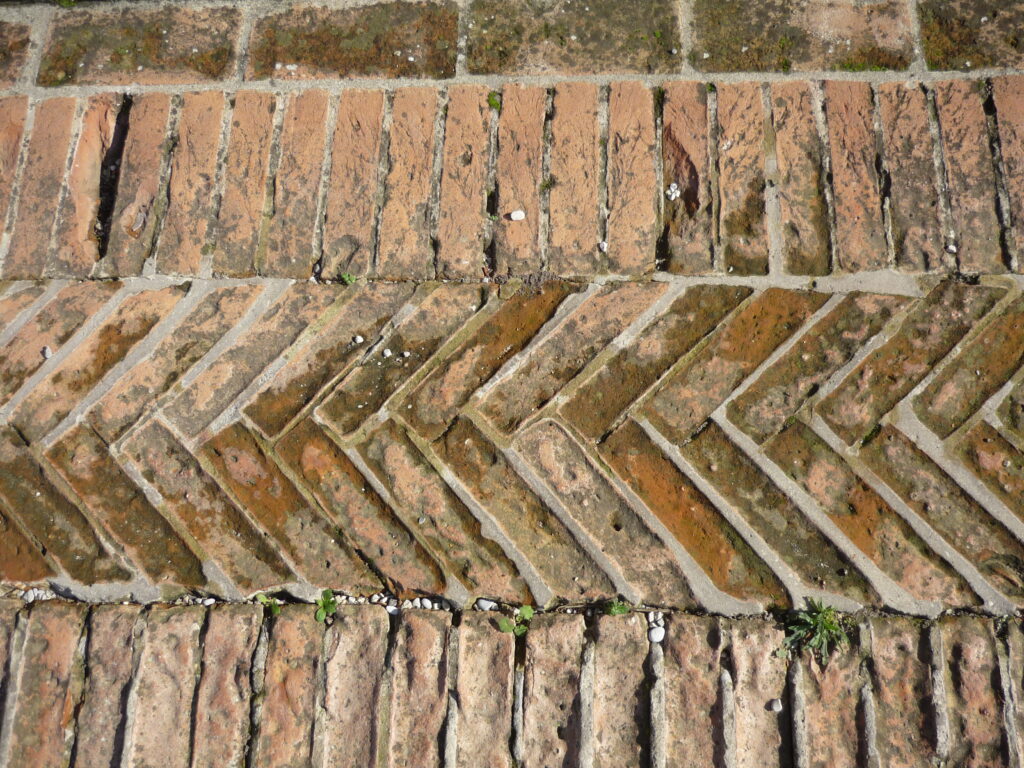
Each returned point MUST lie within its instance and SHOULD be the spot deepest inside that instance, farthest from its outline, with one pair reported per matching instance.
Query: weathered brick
(404, 249)
(442, 522)
(956, 34)
(352, 504)
(708, 537)
(741, 181)
(1008, 97)
(147, 46)
(573, 170)
(9, 609)
(1011, 412)
(686, 163)
(996, 462)
(802, 208)
(970, 175)
(191, 497)
(57, 394)
(222, 699)
(240, 216)
(690, 676)
(20, 559)
(519, 166)
(551, 706)
(484, 689)
(520, 514)
(287, 248)
(566, 351)
(620, 706)
(419, 690)
(12, 126)
(462, 226)
(589, 498)
(1015, 668)
(190, 187)
(763, 408)
(348, 237)
(885, 376)
(832, 706)
(763, 736)
(14, 39)
(41, 182)
(17, 299)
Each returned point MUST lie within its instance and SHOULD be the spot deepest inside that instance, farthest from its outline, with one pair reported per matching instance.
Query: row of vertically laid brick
(188, 686)
(575, 180)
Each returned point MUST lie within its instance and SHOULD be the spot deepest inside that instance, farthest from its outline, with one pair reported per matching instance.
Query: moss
(871, 58)
(739, 36)
(950, 41)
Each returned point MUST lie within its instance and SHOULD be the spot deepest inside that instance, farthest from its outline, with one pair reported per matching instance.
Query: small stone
(357, 339)
(775, 705)
(656, 634)
(517, 215)
(602, 246)
(406, 353)
(47, 353)
(417, 603)
(485, 605)
(209, 601)
(392, 609)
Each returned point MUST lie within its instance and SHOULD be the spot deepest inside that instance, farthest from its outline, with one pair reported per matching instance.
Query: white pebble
(412, 58)
(47, 353)
(406, 353)
(291, 67)
(485, 605)
(361, 600)
(602, 247)
(656, 634)
(706, 55)
(392, 609)
(387, 353)
(358, 339)
(517, 215)
(417, 603)
(775, 705)
(209, 601)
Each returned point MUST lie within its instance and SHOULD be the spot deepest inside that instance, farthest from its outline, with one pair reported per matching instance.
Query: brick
(484, 688)
(113, 499)
(632, 180)
(131, 395)
(801, 186)
(854, 146)
(832, 703)
(741, 181)
(112, 632)
(287, 249)
(41, 181)
(190, 186)
(463, 231)
(573, 170)
(404, 249)
(1011, 412)
(213, 390)
(57, 394)
(690, 677)
(221, 723)
(970, 175)
(689, 394)
(620, 706)
(354, 655)
(996, 462)
(884, 377)
(686, 162)
(268, 496)
(348, 238)
(365, 312)
(141, 192)
(419, 690)
(441, 521)
(589, 498)
(12, 126)
(518, 177)
(240, 215)
(442, 311)
(191, 497)
(20, 559)
(145, 46)
(28, 496)
(354, 506)
(14, 39)
(551, 708)
(1015, 668)
(869, 522)
(565, 352)
(9, 610)
(955, 34)
(762, 737)
(1008, 97)
(533, 528)
(781, 390)
(42, 723)
(17, 299)
(437, 400)
(313, 42)
(952, 513)
(53, 325)
(913, 194)
(706, 536)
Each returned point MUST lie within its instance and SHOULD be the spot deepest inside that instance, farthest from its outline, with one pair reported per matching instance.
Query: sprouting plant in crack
(271, 604)
(519, 623)
(494, 100)
(347, 278)
(617, 608)
(820, 629)
(326, 606)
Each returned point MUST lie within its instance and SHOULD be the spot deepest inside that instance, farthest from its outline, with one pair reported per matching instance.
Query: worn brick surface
(1008, 98)
(832, 703)
(20, 560)
(958, 35)
(484, 686)
(14, 40)
(619, 706)
(997, 462)
(762, 735)
(12, 126)
(691, 677)
(17, 299)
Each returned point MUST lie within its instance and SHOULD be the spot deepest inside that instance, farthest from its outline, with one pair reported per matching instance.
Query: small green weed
(494, 100)
(820, 629)
(347, 278)
(271, 604)
(326, 605)
(617, 608)
(518, 624)
(547, 184)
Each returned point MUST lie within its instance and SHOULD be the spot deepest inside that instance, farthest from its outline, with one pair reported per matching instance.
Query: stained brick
(762, 736)
(832, 706)
(20, 559)
(1011, 412)
(551, 710)
(12, 126)
(1008, 97)
(690, 676)
(484, 690)
(14, 39)
(16, 300)
(956, 34)
(997, 463)
(620, 706)
(9, 609)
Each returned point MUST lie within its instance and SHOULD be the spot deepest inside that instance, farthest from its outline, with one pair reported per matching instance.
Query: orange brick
(551, 720)
(12, 127)
(1008, 94)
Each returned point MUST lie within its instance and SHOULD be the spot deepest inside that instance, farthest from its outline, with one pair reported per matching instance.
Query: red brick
(969, 174)
(551, 713)
(12, 127)
(802, 208)
(41, 182)
(573, 170)
(354, 506)
(462, 225)
(690, 677)
(632, 180)
(14, 39)
(762, 735)
(687, 164)
(484, 691)
(620, 706)
(404, 248)
(741, 181)
(913, 193)
(1008, 96)
(141, 195)
(1015, 668)
(193, 169)
(348, 240)
(831, 710)
(9, 609)
(287, 248)
(17, 299)
(240, 216)
(997, 463)
(520, 155)
(222, 700)
(20, 560)
(853, 145)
